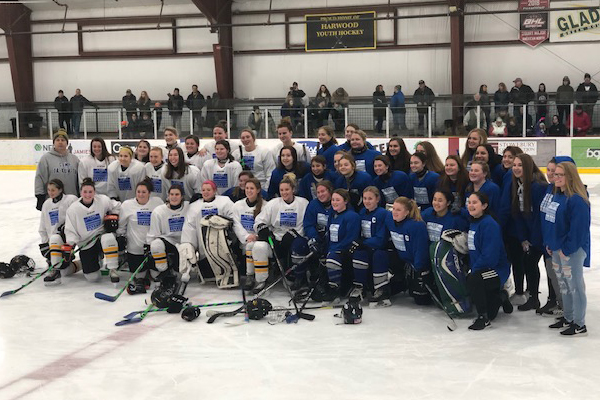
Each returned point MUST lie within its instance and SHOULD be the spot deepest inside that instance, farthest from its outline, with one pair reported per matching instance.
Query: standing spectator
(587, 95)
(520, 95)
(293, 112)
(398, 106)
(196, 103)
(297, 95)
(581, 121)
(61, 103)
(557, 128)
(485, 104)
(379, 106)
(323, 103)
(58, 163)
(129, 103)
(175, 106)
(144, 104)
(159, 110)
(541, 101)
(339, 100)
(501, 99)
(470, 119)
(565, 95)
(424, 98)
(77, 104)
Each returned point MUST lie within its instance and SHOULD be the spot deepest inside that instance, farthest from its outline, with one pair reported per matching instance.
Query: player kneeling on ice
(93, 216)
(370, 249)
(282, 218)
(408, 233)
(245, 212)
(343, 230)
(134, 225)
(489, 265)
(52, 230)
(209, 237)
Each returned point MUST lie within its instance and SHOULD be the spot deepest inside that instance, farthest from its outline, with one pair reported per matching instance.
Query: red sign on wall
(534, 24)
(533, 5)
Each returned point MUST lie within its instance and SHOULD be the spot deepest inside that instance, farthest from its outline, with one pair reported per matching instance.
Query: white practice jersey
(224, 177)
(221, 205)
(91, 167)
(158, 180)
(121, 183)
(243, 219)
(134, 223)
(197, 160)
(190, 181)
(259, 162)
(301, 151)
(83, 223)
(166, 151)
(54, 215)
(281, 217)
(167, 224)
(210, 146)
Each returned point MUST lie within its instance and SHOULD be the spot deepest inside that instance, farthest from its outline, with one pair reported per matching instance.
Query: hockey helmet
(352, 312)
(258, 308)
(6, 271)
(22, 263)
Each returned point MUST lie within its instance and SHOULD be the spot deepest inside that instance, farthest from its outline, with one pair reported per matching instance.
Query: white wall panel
(194, 39)
(6, 86)
(479, 28)
(3, 49)
(128, 40)
(59, 44)
(260, 37)
(423, 30)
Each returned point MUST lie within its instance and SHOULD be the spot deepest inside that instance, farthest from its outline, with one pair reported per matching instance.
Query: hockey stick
(451, 324)
(114, 298)
(44, 272)
(228, 303)
(299, 314)
(137, 319)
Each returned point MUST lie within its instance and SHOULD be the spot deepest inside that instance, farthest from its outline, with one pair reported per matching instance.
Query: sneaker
(114, 276)
(53, 279)
(356, 293)
(480, 323)
(259, 287)
(531, 304)
(575, 330)
(381, 297)
(560, 323)
(550, 306)
(249, 283)
(507, 306)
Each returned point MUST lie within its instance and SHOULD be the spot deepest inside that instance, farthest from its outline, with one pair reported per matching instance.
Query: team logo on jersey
(361, 165)
(471, 241)
(124, 183)
(390, 194)
(209, 211)
(249, 161)
(334, 230)
(247, 221)
(100, 175)
(288, 219)
(398, 240)
(421, 196)
(551, 211)
(366, 228)
(53, 217)
(143, 218)
(176, 224)
(156, 185)
(220, 179)
(435, 231)
(322, 219)
(180, 183)
(92, 222)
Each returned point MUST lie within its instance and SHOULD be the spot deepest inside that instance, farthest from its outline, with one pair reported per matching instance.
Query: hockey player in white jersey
(223, 170)
(219, 133)
(51, 229)
(124, 174)
(95, 165)
(285, 133)
(178, 172)
(192, 152)
(155, 172)
(254, 158)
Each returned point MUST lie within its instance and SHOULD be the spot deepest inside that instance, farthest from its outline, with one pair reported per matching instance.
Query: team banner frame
(578, 25)
(341, 31)
(534, 27)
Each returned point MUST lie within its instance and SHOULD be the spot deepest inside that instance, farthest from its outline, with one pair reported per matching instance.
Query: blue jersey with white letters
(372, 228)
(410, 239)
(398, 184)
(316, 218)
(486, 247)
(344, 228)
(424, 188)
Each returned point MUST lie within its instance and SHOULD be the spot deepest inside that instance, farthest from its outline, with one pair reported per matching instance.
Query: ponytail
(411, 206)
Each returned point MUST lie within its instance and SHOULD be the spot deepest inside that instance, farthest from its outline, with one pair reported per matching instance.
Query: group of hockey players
(349, 221)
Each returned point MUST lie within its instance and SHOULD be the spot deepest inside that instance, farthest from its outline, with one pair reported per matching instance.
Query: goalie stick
(451, 324)
(114, 298)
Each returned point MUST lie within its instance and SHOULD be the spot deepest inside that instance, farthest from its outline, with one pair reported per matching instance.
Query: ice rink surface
(61, 343)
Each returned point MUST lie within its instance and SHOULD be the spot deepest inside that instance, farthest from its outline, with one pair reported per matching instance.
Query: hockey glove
(111, 223)
(313, 246)
(45, 249)
(289, 237)
(147, 251)
(67, 251)
(176, 303)
(263, 232)
(41, 198)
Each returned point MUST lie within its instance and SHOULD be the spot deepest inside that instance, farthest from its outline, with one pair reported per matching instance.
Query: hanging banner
(342, 31)
(576, 25)
(534, 24)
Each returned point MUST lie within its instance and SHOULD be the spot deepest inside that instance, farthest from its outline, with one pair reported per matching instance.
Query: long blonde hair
(573, 183)
(411, 206)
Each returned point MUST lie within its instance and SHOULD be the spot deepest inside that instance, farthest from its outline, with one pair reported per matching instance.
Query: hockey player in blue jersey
(440, 218)
(352, 180)
(318, 173)
(391, 184)
(422, 180)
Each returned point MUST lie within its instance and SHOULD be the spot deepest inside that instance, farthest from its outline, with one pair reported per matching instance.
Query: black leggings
(514, 252)
(484, 288)
(90, 258)
(531, 261)
(134, 261)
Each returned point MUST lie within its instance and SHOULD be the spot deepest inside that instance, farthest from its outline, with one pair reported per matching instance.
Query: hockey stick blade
(106, 297)
(129, 321)
(217, 314)
(308, 317)
(451, 324)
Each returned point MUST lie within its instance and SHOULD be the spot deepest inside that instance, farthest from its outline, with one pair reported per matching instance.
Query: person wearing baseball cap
(565, 96)
(520, 95)
(587, 95)
(58, 163)
(423, 97)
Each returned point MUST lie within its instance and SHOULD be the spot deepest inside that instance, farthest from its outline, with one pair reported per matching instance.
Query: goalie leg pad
(261, 253)
(218, 253)
(110, 248)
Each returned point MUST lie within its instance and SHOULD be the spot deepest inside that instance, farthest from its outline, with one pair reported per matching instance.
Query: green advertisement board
(586, 152)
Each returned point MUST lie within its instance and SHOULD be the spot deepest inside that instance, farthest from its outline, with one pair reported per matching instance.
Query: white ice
(61, 342)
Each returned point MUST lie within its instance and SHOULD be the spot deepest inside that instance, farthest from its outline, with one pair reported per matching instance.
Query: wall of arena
(259, 74)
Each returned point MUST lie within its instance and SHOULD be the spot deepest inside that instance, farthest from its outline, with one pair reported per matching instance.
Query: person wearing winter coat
(379, 107)
(587, 95)
(565, 96)
(398, 108)
(423, 97)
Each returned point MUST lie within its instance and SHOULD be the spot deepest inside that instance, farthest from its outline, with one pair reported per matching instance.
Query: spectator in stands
(540, 129)
(379, 106)
(175, 106)
(501, 98)
(196, 103)
(158, 109)
(339, 102)
(61, 103)
(587, 95)
(78, 102)
(565, 95)
(498, 128)
(581, 121)
(323, 105)
(146, 126)
(520, 95)
(131, 130)
(129, 103)
(297, 95)
(513, 128)
(290, 110)
(557, 128)
(485, 104)
(423, 98)
(256, 122)
(470, 118)
(398, 108)
(541, 102)
(144, 104)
